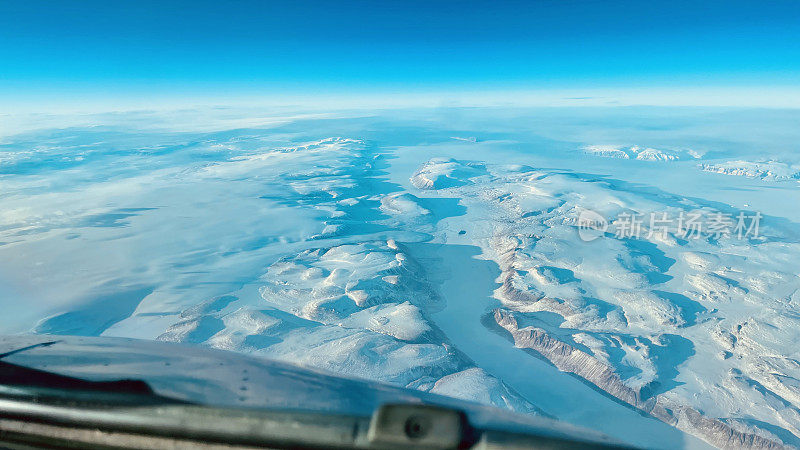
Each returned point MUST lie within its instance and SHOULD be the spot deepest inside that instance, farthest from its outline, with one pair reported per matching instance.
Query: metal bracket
(417, 426)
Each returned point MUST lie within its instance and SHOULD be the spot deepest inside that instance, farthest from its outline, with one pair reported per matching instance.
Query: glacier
(374, 244)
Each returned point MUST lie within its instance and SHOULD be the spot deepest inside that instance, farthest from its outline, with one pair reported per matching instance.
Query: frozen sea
(441, 249)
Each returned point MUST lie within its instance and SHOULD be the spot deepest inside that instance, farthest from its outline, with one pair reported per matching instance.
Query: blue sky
(308, 46)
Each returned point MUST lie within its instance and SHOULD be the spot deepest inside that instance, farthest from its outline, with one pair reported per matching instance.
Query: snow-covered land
(653, 322)
(768, 170)
(636, 152)
(377, 245)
